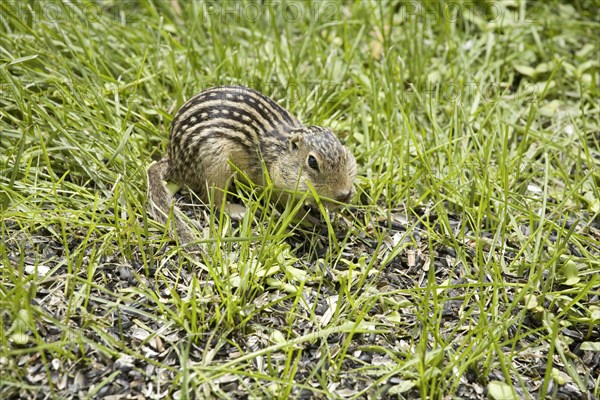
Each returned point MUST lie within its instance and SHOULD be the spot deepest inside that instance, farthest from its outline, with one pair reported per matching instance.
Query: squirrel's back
(226, 122)
(233, 113)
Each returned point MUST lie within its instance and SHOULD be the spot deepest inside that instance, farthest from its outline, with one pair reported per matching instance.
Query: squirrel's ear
(295, 142)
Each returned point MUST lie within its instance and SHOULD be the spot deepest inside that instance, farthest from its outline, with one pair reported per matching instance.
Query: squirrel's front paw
(235, 211)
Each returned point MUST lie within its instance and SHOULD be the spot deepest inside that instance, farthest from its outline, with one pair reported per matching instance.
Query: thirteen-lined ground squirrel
(238, 125)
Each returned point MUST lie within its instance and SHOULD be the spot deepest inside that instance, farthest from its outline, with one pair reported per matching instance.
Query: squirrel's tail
(160, 201)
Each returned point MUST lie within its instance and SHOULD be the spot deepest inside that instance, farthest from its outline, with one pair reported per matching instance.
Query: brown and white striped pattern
(232, 113)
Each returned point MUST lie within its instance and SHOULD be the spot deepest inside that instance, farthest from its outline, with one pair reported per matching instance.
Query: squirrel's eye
(312, 162)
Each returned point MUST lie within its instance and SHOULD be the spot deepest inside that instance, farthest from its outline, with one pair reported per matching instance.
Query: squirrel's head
(317, 158)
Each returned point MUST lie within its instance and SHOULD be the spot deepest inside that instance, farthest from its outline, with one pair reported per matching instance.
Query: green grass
(467, 265)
